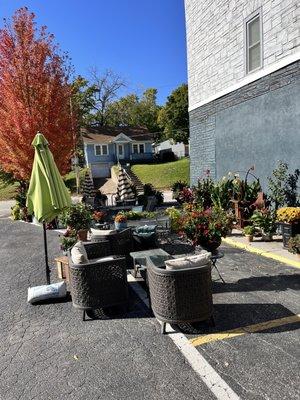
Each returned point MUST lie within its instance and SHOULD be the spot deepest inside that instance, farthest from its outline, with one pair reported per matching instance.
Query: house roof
(106, 134)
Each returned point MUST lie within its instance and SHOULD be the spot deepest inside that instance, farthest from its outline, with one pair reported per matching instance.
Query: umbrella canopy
(87, 187)
(124, 191)
(47, 194)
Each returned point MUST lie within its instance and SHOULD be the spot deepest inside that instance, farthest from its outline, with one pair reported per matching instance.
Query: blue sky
(141, 40)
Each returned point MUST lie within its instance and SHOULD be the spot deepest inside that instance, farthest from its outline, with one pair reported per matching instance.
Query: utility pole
(75, 159)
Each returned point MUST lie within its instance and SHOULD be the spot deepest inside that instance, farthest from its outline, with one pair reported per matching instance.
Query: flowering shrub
(186, 195)
(205, 227)
(120, 218)
(98, 216)
(175, 218)
(288, 214)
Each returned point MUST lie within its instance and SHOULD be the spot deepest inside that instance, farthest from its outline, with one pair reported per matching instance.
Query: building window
(135, 149)
(253, 42)
(97, 149)
(104, 150)
(142, 148)
(101, 149)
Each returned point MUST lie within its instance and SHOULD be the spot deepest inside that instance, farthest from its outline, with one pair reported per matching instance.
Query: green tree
(131, 110)
(173, 118)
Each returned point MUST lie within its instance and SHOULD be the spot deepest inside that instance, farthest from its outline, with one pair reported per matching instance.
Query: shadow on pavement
(259, 283)
(237, 316)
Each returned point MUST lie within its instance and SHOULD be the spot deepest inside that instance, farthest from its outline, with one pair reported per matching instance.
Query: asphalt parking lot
(48, 352)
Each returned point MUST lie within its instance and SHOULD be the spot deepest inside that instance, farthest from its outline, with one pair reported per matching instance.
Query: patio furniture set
(176, 294)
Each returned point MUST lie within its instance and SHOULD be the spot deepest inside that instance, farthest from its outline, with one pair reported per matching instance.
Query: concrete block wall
(215, 40)
(256, 124)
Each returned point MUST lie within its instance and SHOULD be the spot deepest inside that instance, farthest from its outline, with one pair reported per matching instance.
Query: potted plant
(120, 221)
(78, 217)
(205, 227)
(98, 218)
(67, 240)
(289, 219)
(249, 231)
(294, 245)
(265, 220)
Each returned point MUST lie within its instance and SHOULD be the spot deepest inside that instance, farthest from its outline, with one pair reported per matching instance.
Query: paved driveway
(48, 352)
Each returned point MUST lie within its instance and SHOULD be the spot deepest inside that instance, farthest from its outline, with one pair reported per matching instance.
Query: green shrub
(249, 230)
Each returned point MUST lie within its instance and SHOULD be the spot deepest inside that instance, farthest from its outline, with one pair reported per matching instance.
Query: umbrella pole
(46, 254)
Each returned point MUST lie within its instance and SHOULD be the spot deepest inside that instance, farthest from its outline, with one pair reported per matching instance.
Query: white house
(179, 149)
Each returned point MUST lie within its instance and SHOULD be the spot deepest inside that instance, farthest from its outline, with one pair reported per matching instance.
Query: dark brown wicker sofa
(101, 282)
(180, 296)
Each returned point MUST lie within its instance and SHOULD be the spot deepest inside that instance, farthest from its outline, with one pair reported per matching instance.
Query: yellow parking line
(263, 253)
(198, 341)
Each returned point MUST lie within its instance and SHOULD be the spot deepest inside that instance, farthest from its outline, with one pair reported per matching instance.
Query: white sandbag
(45, 292)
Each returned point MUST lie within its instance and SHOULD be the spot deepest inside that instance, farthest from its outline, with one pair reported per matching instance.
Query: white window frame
(138, 148)
(256, 15)
(101, 149)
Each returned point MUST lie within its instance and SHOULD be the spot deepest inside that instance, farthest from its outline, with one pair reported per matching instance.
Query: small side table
(62, 265)
(214, 258)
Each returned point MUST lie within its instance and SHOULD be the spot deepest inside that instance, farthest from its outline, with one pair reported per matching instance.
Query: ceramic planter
(120, 225)
(211, 245)
(289, 230)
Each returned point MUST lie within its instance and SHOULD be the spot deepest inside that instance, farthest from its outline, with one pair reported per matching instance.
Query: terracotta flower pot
(249, 238)
(82, 235)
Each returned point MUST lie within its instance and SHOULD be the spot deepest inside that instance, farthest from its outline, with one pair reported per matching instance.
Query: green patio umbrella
(47, 194)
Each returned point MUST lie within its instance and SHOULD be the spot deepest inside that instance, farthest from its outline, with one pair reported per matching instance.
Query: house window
(135, 149)
(98, 150)
(142, 148)
(101, 149)
(104, 150)
(253, 43)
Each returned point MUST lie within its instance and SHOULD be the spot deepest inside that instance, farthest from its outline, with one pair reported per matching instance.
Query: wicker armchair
(120, 244)
(180, 296)
(100, 283)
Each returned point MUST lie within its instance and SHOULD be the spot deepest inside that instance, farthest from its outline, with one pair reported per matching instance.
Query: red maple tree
(34, 95)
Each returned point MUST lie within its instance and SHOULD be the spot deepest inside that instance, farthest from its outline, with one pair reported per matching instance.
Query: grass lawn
(7, 192)
(162, 176)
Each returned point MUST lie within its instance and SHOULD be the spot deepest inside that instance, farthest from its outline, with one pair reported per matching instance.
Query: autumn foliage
(34, 95)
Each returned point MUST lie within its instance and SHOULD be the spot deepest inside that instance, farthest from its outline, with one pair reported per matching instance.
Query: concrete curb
(263, 253)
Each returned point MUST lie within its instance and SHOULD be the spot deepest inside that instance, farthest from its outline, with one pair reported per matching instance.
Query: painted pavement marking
(203, 369)
(261, 252)
(200, 340)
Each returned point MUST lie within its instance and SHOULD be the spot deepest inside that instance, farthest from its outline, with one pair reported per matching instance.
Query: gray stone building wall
(215, 40)
(256, 124)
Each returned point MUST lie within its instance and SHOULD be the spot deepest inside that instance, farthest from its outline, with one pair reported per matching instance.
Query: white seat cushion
(102, 232)
(194, 261)
(78, 253)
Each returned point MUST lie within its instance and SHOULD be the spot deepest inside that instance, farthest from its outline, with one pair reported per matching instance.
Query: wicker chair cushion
(78, 253)
(188, 262)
